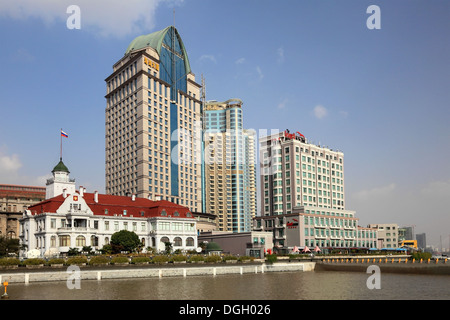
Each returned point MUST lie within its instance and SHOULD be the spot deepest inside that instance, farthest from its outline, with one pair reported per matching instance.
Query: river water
(311, 285)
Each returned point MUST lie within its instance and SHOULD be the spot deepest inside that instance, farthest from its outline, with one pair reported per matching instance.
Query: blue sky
(381, 96)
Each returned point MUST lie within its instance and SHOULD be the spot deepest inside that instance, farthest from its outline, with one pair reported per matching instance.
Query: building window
(177, 242)
(189, 242)
(64, 241)
(80, 241)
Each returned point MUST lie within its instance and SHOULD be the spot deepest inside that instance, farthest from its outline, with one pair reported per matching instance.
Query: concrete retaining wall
(123, 273)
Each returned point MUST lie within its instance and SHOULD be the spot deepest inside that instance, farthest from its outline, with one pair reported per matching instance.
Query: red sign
(296, 136)
(75, 198)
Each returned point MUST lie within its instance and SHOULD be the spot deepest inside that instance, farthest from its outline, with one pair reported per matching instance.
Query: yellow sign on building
(151, 64)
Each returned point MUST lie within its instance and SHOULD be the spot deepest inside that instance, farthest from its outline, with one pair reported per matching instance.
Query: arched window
(106, 240)
(94, 241)
(176, 214)
(52, 241)
(64, 241)
(190, 242)
(165, 239)
(164, 213)
(143, 241)
(80, 241)
(177, 242)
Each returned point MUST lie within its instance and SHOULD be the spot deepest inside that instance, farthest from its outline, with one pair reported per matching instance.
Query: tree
(8, 246)
(168, 246)
(124, 240)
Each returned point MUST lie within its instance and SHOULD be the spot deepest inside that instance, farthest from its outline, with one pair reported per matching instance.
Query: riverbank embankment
(150, 271)
(405, 267)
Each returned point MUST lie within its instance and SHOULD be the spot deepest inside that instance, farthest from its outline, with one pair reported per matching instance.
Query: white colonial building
(79, 219)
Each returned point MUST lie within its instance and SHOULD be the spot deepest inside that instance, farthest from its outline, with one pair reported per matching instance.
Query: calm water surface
(323, 285)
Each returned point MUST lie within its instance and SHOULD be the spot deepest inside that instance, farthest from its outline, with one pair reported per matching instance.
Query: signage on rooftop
(151, 63)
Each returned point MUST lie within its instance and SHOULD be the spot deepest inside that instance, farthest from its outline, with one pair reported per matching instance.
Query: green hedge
(9, 262)
(140, 260)
(229, 257)
(56, 261)
(99, 260)
(246, 258)
(160, 259)
(33, 262)
(271, 258)
(178, 258)
(76, 260)
(196, 258)
(213, 258)
(120, 259)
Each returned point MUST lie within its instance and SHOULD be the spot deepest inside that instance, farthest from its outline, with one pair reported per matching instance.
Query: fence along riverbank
(386, 264)
(152, 272)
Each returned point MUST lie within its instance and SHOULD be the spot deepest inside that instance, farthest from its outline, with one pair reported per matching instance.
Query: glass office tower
(230, 176)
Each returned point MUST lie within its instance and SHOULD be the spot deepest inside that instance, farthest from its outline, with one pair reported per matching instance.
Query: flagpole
(60, 148)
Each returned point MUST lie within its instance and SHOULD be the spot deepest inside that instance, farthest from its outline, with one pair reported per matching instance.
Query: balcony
(320, 236)
(76, 230)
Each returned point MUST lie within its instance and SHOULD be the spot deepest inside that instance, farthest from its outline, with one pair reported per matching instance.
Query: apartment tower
(230, 176)
(153, 112)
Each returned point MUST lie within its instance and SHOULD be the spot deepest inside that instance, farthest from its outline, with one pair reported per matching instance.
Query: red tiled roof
(115, 205)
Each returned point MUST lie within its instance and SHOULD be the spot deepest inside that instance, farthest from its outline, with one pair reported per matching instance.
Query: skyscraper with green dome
(153, 122)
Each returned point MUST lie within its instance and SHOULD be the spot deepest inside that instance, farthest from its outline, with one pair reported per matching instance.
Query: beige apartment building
(153, 122)
(14, 199)
(296, 173)
(387, 235)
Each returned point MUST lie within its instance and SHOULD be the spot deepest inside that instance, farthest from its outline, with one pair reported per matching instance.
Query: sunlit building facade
(153, 122)
(230, 173)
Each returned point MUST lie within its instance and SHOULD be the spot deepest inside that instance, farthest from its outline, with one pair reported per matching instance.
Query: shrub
(160, 259)
(213, 258)
(34, 262)
(99, 260)
(76, 260)
(229, 257)
(421, 255)
(179, 257)
(140, 260)
(56, 261)
(9, 262)
(246, 258)
(271, 258)
(196, 258)
(120, 259)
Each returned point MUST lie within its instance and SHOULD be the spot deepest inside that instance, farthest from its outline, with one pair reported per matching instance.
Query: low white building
(66, 221)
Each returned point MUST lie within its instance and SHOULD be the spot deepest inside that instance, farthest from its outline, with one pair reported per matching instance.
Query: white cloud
(209, 57)
(10, 171)
(320, 111)
(282, 104)
(375, 193)
(280, 54)
(102, 17)
(260, 74)
(240, 61)
(9, 164)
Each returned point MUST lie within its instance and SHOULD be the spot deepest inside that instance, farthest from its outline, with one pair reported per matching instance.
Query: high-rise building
(230, 174)
(302, 194)
(153, 112)
(297, 173)
(421, 240)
